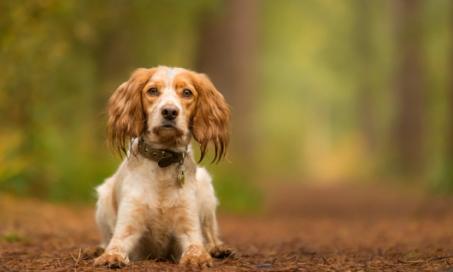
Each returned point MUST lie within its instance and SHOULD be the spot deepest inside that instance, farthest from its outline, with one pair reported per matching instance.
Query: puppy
(159, 204)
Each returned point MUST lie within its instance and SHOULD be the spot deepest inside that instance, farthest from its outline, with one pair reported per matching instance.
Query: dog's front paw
(111, 260)
(196, 256)
(222, 252)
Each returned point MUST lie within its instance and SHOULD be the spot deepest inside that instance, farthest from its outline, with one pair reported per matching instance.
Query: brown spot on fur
(128, 231)
(114, 199)
(183, 81)
(139, 211)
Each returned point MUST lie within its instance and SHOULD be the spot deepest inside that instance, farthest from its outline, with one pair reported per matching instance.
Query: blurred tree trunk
(227, 53)
(448, 175)
(408, 130)
(366, 107)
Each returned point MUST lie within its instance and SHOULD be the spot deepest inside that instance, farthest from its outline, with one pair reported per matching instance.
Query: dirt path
(305, 229)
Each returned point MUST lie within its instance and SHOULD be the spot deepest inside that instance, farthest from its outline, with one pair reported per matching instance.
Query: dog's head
(168, 106)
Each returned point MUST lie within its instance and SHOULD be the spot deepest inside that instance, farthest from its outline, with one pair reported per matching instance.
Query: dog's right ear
(126, 116)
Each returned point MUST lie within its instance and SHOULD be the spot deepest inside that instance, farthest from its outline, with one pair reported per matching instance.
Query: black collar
(163, 157)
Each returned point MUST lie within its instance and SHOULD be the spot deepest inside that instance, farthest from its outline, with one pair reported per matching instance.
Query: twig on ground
(76, 261)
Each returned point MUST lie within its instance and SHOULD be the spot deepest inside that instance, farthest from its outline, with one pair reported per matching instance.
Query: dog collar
(163, 157)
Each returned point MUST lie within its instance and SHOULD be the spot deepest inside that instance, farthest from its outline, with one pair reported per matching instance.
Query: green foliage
(12, 237)
(236, 190)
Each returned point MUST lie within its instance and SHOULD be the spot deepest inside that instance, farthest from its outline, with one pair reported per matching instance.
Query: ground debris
(310, 235)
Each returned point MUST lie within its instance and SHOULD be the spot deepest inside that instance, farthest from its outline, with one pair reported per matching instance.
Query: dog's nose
(170, 113)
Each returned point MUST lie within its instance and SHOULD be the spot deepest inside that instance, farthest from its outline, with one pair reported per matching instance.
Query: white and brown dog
(159, 204)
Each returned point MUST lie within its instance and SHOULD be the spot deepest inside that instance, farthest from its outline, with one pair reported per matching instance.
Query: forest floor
(330, 228)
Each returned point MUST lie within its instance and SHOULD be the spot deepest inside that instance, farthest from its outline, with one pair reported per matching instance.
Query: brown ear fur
(126, 118)
(211, 119)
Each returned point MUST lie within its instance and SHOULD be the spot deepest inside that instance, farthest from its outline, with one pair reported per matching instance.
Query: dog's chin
(168, 134)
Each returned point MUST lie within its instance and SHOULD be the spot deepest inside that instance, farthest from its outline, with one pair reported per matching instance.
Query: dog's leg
(106, 212)
(211, 236)
(105, 218)
(207, 207)
(188, 233)
(129, 229)
(210, 230)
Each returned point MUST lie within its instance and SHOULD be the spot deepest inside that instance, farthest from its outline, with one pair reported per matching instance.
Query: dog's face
(169, 100)
(168, 106)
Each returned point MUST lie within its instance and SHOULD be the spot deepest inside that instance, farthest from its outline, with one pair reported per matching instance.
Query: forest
(321, 91)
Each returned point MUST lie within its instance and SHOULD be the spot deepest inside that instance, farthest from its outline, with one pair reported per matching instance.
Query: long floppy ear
(126, 117)
(210, 123)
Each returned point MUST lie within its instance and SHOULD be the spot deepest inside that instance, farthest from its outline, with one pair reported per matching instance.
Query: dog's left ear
(210, 123)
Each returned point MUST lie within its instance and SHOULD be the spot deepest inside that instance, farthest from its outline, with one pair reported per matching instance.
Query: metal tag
(181, 176)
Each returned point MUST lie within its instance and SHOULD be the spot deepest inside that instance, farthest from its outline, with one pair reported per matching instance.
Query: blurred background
(322, 91)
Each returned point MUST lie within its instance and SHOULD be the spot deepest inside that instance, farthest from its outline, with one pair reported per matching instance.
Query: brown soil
(303, 229)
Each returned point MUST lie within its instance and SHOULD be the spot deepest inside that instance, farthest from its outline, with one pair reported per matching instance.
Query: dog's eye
(187, 93)
(153, 91)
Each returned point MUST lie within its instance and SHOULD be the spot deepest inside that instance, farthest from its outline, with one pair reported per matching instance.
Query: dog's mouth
(167, 131)
(168, 125)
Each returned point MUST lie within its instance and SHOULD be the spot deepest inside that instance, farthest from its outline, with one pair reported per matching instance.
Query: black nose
(169, 113)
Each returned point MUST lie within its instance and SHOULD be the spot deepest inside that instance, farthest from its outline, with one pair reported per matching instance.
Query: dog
(159, 204)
